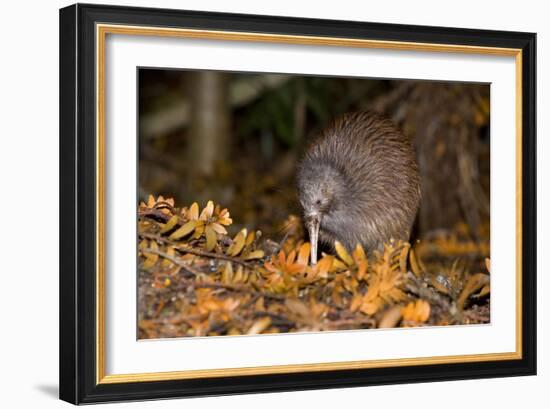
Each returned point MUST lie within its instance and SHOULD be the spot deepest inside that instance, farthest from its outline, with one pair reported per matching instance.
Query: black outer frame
(78, 198)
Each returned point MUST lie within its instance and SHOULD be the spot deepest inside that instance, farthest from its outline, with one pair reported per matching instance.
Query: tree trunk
(210, 121)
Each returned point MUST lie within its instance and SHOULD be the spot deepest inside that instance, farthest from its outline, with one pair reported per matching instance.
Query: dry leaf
(184, 230)
(391, 317)
(170, 224)
(416, 311)
(253, 255)
(238, 243)
(211, 239)
(297, 307)
(474, 283)
(343, 253)
(259, 326)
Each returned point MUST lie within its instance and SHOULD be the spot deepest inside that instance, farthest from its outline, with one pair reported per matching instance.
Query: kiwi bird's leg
(313, 222)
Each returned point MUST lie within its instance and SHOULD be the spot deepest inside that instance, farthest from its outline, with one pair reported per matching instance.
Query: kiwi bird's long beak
(313, 222)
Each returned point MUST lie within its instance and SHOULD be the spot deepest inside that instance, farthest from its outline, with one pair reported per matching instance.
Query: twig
(174, 260)
(196, 252)
(204, 253)
(277, 318)
(154, 213)
(414, 286)
(476, 315)
(240, 289)
(336, 324)
(254, 298)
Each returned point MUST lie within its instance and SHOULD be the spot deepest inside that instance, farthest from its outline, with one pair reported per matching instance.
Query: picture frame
(83, 215)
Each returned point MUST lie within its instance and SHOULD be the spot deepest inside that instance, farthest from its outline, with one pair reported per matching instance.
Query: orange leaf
(291, 257)
(416, 311)
(359, 254)
(324, 265)
(343, 253)
(473, 284)
(415, 267)
(303, 254)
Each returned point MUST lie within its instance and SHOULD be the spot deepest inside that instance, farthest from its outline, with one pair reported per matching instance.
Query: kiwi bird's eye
(318, 202)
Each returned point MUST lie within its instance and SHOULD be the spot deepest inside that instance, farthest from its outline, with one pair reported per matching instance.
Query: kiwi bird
(358, 183)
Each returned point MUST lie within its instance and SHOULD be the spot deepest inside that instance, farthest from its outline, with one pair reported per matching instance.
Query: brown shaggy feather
(361, 179)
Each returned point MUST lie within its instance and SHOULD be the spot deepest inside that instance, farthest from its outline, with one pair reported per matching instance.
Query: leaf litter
(195, 279)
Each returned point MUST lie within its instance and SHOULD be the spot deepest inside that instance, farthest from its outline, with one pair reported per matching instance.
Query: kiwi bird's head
(322, 192)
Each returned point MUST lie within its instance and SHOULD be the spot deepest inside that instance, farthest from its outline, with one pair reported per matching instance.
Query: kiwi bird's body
(358, 183)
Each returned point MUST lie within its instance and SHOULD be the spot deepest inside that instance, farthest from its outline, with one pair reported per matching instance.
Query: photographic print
(273, 203)
(263, 203)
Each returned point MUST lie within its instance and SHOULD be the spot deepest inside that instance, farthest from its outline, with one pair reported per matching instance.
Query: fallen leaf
(391, 317)
(259, 326)
(416, 311)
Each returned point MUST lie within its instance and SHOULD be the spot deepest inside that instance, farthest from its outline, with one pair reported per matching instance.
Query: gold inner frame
(101, 33)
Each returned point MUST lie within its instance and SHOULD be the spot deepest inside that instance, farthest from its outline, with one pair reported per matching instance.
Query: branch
(197, 252)
(174, 260)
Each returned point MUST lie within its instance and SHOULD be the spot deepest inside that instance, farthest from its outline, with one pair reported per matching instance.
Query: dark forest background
(235, 138)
